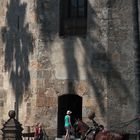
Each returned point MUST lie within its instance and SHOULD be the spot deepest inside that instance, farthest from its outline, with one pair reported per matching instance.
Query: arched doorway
(66, 102)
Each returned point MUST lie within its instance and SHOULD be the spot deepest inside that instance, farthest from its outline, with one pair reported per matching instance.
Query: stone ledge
(71, 138)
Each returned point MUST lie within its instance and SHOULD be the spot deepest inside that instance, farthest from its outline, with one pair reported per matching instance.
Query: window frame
(72, 25)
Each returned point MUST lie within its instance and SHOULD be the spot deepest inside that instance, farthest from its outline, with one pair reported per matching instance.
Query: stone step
(71, 138)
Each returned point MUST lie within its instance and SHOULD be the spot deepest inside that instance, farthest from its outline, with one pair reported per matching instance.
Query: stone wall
(99, 67)
(122, 83)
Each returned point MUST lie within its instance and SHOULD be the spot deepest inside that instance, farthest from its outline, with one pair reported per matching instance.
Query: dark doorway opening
(66, 102)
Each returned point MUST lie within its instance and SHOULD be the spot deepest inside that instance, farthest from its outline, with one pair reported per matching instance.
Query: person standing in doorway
(68, 125)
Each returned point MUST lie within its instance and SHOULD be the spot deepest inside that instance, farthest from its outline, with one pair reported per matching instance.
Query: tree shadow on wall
(98, 66)
(41, 16)
(97, 60)
(18, 46)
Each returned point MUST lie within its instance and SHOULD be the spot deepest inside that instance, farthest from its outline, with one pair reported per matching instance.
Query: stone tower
(81, 55)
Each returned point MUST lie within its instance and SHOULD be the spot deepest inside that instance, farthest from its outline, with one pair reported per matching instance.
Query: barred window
(73, 17)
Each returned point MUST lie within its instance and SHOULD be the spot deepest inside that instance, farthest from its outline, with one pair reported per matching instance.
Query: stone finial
(12, 114)
(12, 129)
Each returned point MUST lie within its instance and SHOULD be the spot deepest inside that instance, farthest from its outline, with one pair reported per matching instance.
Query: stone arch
(66, 102)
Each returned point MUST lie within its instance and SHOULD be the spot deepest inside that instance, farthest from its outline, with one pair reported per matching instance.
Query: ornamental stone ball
(12, 114)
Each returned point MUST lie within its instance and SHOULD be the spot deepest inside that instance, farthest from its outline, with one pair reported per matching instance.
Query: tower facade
(78, 55)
